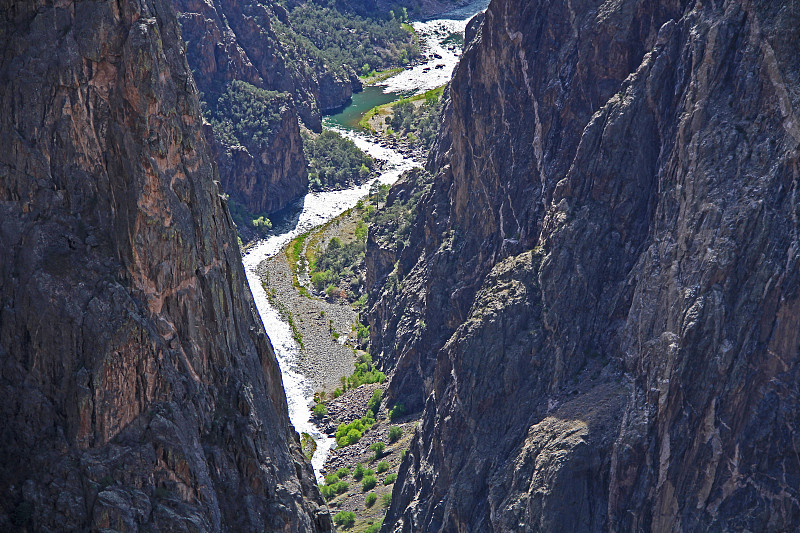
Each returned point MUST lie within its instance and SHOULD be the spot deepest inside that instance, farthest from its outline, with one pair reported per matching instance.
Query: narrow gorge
(563, 295)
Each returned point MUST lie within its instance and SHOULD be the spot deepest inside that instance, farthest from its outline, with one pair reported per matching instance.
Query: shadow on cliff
(288, 218)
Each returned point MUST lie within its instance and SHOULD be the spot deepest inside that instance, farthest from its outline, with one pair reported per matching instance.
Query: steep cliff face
(602, 315)
(256, 141)
(140, 391)
(235, 40)
(229, 40)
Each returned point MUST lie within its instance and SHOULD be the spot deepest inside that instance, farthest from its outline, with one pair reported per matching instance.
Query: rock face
(264, 176)
(600, 311)
(230, 40)
(235, 40)
(140, 391)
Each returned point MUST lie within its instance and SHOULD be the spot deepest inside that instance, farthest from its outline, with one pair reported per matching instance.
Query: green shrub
(343, 472)
(397, 411)
(320, 410)
(262, 223)
(333, 486)
(362, 333)
(386, 499)
(378, 448)
(358, 473)
(327, 492)
(368, 483)
(389, 479)
(337, 393)
(365, 374)
(382, 467)
(345, 519)
(395, 432)
(375, 402)
(374, 528)
(347, 434)
(371, 499)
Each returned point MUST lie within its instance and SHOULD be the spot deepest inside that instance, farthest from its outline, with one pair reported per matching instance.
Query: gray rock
(606, 267)
(140, 391)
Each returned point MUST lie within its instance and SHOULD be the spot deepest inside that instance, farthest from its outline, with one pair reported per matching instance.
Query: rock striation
(140, 390)
(600, 308)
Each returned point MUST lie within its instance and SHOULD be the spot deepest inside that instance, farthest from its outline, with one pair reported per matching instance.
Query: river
(317, 208)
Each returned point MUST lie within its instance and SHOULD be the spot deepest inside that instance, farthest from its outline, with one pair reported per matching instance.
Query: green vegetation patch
(346, 42)
(368, 483)
(365, 373)
(376, 77)
(335, 161)
(371, 499)
(378, 448)
(347, 434)
(245, 115)
(331, 490)
(308, 445)
(395, 432)
(419, 124)
(345, 519)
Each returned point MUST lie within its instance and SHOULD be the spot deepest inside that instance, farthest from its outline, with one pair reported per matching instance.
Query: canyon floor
(326, 329)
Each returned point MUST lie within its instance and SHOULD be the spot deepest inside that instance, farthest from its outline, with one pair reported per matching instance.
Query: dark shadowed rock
(601, 310)
(140, 391)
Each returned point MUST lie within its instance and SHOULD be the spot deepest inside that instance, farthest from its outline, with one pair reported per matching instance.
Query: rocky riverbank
(315, 322)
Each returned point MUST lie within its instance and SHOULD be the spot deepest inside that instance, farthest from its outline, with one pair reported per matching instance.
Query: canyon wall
(599, 309)
(230, 40)
(140, 390)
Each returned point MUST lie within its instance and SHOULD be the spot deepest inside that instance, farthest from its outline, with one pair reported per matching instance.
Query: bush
(345, 519)
(330, 490)
(262, 223)
(358, 473)
(395, 432)
(368, 483)
(386, 499)
(362, 333)
(378, 448)
(371, 499)
(390, 479)
(347, 434)
(337, 393)
(375, 402)
(382, 467)
(365, 374)
(320, 410)
(397, 411)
